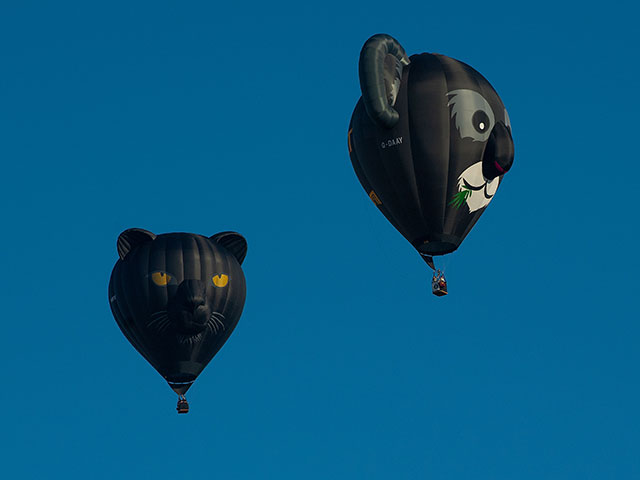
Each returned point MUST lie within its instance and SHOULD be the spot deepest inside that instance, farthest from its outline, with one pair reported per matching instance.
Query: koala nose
(498, 154)
(191, 294)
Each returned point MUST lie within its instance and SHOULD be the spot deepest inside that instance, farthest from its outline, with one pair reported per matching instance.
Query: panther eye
(220, 280)
(162, 279)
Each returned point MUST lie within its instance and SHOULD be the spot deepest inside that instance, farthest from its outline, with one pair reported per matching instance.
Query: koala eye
(472, 114)
(220, 280)
(480, 121)
(163, 279)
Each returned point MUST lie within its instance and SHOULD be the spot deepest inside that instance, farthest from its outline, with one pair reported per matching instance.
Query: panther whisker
(211, 326)
(211, 323)
(158, 317)
(155, 322)
(164, 324)
(220, 323)
(218, 319)
(215, 322)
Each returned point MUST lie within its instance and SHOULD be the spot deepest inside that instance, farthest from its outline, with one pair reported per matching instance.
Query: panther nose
(193, 303)
(191, 294)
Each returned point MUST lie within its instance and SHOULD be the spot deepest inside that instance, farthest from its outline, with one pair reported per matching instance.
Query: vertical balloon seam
(120, 315)
(224, 262)
(186, 244)
(226, 266)
(392, 189)
(454, 214)
(471, 77)
(355, 160)
(447, 226)
(479, 81)
(384, 201)
(160, 262)
(418, 198)
(482, 90)
(131, 334)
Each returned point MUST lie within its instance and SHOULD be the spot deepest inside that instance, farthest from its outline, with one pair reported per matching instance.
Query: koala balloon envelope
(177, 297)
(430, 142)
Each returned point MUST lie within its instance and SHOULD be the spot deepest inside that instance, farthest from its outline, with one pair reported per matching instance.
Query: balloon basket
(439, 292)
(439, 284)
(183, 405)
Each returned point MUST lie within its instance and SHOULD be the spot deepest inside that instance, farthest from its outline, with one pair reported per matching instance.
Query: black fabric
(177, 298)
(414, 169)
(132, 237)
(234, 242)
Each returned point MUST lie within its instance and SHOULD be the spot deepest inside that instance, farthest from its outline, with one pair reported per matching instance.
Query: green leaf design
(460, 198)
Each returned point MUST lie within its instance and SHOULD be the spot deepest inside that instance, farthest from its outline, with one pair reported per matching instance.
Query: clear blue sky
(191, 116)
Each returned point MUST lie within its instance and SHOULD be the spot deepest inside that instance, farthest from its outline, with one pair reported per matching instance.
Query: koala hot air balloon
(430, 141)
(177, 297)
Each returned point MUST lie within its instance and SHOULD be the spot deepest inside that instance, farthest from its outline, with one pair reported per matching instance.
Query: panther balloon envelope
(177, 297)
(430, 141)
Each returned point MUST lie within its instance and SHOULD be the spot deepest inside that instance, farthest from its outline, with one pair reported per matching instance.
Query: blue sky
(204, 118)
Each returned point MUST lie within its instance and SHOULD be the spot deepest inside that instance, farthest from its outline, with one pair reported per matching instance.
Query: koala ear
(132, 238)
(381, 62)
(232, 241)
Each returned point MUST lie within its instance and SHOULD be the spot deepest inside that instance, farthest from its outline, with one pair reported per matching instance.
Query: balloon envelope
(430, 141)
(177, 297)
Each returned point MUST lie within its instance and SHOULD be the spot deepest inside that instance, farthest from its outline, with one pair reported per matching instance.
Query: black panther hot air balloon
(430, 141)
(177, 297)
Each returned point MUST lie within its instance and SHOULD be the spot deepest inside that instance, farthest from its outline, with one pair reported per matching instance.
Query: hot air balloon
(177, 298)
(430, 141)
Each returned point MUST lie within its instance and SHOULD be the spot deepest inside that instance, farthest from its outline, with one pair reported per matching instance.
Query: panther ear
(232, 241)
(132, 238)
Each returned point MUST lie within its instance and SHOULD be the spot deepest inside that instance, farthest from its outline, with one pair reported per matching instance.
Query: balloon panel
(436, 169)
(177, 298)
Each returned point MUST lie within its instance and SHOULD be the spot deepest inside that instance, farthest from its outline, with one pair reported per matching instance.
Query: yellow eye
(161, 278)
(220, 280)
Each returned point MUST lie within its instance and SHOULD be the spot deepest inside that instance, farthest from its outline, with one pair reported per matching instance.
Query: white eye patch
(472, 114)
